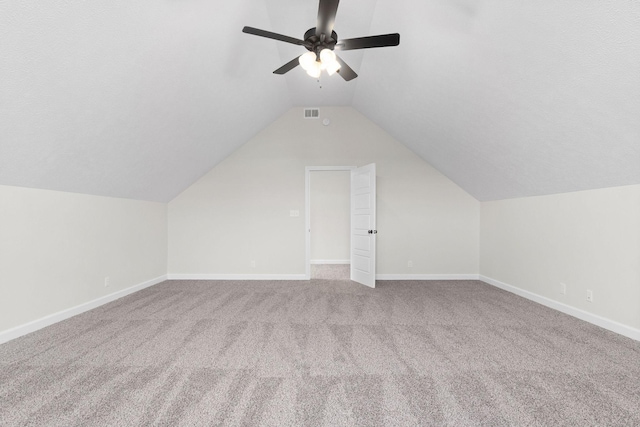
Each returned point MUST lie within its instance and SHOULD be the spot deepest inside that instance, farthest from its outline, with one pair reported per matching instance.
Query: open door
(363, 225)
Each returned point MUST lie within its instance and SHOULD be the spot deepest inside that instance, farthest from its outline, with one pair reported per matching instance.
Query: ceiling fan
(321, 41)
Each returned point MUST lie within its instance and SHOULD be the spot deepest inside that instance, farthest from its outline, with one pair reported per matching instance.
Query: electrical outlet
(589, 296)
(410, 264)
(253, 264)
(294, 213)
(107, 282)
(563, 288)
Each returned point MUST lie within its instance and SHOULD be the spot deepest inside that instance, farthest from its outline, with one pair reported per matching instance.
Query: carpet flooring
(325, 352)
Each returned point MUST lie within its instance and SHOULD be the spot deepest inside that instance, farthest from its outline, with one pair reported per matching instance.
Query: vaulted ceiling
(139, 99)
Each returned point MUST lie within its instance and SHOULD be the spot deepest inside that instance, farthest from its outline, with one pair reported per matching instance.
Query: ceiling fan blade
(383, 40)
(345, 71)
(274, 36)
(326, 17)
(288, 66)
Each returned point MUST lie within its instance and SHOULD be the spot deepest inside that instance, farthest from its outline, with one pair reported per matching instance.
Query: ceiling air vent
(311, 113)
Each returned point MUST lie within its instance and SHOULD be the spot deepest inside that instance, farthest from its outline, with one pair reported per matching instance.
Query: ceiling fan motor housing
(315, 43)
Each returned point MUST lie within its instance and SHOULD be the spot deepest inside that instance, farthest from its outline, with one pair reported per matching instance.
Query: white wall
(239, 211)
(57, 248)
(330, 215)
(589, 240)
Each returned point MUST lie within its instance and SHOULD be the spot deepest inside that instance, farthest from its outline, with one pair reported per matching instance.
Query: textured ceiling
(139, 99)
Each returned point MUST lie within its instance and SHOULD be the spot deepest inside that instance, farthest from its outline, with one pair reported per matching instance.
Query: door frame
(307, 208)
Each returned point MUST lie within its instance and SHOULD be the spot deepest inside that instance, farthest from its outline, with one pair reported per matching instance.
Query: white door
(363, 225)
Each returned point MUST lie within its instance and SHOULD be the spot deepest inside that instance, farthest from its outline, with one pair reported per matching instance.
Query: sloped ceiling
(132, 99)
(139, 99)
(512, 99)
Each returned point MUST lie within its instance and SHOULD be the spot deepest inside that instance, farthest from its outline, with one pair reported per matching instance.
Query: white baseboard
(237, 277)
(305, 277)
(603, 322)
(426, 277)
(330, 261)
(43, 322)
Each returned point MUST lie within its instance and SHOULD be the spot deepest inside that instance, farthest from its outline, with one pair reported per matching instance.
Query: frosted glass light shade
(306, 60)
(314, 70)
(332, 67)
(327, 56)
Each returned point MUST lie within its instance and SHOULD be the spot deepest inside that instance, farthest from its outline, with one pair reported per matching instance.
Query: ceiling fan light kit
(309, 62)
(321, 41)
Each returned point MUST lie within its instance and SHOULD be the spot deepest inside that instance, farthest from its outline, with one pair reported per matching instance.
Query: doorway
(330, 224)
(362, 221)
(325, 202)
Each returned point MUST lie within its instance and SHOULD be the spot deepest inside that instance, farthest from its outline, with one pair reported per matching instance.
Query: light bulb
(306, 60)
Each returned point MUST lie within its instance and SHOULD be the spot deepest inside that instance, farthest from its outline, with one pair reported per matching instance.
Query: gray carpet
(327, 352)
